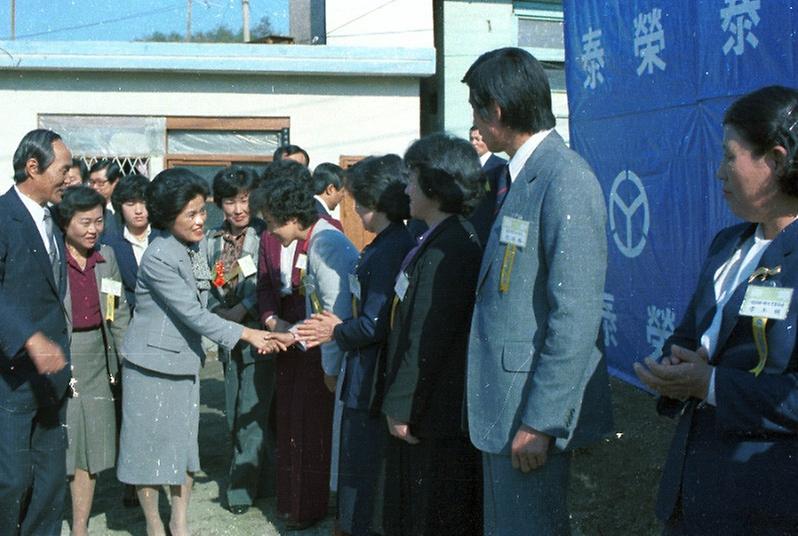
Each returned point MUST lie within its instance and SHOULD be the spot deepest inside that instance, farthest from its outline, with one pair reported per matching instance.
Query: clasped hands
(264, 341)
(683, 374)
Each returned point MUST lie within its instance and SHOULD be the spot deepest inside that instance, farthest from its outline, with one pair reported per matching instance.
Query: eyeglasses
(98, 182)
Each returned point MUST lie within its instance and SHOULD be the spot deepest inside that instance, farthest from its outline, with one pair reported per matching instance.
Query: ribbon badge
(759, 323)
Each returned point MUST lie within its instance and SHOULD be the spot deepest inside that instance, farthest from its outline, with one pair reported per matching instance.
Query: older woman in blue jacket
(163, 351)
(730, 370)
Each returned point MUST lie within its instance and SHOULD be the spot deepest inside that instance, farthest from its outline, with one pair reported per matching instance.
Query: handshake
(267, 342)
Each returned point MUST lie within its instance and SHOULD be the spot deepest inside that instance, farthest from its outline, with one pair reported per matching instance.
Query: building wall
(330, 116)
(366, 23)
(471, 28)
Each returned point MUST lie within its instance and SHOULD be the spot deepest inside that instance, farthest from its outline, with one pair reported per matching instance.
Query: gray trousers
(249, 391)
(533, 504)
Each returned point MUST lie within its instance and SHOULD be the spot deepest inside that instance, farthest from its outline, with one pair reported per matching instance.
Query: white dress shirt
(36, 212)
(518, 161)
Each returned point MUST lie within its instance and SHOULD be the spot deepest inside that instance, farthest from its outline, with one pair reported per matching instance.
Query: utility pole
(245, 13)
(188, 22)
(13, 19)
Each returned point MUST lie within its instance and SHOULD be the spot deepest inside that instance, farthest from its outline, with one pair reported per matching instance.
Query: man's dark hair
(169, 193)
(232, 181)
(378, 183)
(77, 198)
(512, 79)
(766, 118)
(112, 170)
(83, 169)
(37, 144)
(326, 174)
(288, 150)
(130, 188)
(448, 171)
(284, 198)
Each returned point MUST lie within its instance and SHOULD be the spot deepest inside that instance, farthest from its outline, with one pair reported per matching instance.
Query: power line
(347, 23)
(102, 22)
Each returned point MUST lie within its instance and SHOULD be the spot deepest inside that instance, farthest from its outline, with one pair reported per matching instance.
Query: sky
(123, 20)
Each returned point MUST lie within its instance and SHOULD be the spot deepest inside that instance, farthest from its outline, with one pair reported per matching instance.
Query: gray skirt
(160, 421)
(90, 416)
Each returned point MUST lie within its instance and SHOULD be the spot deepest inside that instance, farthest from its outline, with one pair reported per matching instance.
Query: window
(540, 29)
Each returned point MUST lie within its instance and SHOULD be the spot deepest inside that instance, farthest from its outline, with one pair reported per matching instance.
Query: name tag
(514, 231)
(354, 285)
(247, 266)
(402, 282)
(767, 302)
(111, 286)
(302, 261)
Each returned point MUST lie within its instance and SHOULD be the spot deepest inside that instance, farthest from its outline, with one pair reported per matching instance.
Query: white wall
(330, 116)
(368, 23)
(470, 29)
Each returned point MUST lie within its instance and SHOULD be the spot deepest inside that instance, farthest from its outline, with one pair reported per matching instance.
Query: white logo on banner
(649, 41)
(737, 18)
(640, 202)
(592, 57)
(609, 321)
(660, 326)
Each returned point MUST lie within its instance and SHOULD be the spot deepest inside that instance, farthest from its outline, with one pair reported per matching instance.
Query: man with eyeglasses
(103, 177)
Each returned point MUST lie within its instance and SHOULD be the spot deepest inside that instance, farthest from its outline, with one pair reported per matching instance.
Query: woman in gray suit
(98, 316)
(163, 350)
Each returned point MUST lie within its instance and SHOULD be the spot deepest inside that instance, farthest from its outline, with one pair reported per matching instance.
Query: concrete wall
(471, 28)
(366, 23)
(330, 116)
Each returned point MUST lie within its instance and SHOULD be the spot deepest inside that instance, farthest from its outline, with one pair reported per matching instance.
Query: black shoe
(238, 509)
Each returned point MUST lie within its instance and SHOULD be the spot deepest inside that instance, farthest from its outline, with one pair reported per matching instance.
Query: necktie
(502, 186)
(53, 253)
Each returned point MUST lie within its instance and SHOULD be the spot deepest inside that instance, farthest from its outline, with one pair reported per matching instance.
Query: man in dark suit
(495, 180)
(103, 177)
(33, 341)
(537, 381)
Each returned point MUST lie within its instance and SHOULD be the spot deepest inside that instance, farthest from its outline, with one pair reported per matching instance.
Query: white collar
(35, 209)
(484, 158)
(127, 235)
(518, 161)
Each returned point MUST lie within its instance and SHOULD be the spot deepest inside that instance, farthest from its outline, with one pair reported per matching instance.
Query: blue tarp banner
(648, 83)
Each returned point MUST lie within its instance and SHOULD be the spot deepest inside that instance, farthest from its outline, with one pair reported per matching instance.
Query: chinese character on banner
(660, 326)
(609, 321)
(737, 18)
(592, 57)
(649, 41)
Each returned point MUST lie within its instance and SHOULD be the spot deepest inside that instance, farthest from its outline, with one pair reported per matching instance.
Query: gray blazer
(171, 317)
(114, 330)
(245, 291)
(331, 258)
(533, 351)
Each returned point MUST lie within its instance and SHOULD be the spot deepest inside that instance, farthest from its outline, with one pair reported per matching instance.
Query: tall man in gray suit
(537, 380)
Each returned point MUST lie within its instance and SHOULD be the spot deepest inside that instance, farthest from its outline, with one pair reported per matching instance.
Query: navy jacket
(484, 214)
(363, 336)
(734, 467)
(30, 301)
(126, 259)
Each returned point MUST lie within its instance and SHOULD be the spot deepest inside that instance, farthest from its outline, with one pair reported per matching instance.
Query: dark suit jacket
(31, 302)
(111, 226)
(734, 465)
(426, 357)
(484, 214)
(363, 335)
(126, 260)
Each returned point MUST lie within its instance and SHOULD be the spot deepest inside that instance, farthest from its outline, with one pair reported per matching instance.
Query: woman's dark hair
(326, 174)
(291, 169)
(378, 183)
(516, 82)
(130, 188)
(232, 181)
(766, 118)
(448, 171)
(284, 198)
(169, 193)
(77, 199)
(37, 144)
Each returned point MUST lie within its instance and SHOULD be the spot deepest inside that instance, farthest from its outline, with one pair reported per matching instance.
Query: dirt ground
(612, 492)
